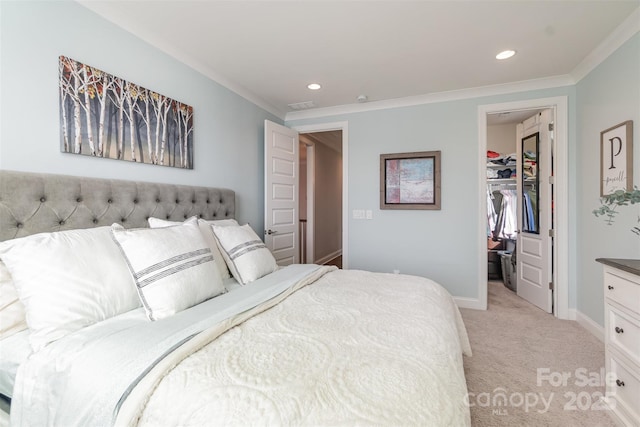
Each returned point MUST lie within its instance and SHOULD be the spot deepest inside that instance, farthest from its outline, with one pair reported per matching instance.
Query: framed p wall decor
(410, 180)
(616, 158)
(102, 115)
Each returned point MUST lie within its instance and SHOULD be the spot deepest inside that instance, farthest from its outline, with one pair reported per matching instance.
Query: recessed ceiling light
(314, 86)
(505, 54)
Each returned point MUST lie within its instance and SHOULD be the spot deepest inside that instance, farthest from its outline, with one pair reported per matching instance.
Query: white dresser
(622, 337)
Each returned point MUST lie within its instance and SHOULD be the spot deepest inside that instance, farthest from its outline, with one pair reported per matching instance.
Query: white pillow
(12, 315)
(246, 255)
(172, 267)
(68, 280)
(207, 233)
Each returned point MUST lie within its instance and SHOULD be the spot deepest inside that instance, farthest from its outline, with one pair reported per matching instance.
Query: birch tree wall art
(102, 115)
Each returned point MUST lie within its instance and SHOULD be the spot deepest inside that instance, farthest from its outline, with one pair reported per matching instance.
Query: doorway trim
(344, 127)
(560, 196)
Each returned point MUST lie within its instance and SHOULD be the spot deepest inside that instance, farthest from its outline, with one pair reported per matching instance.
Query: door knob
(270, 232)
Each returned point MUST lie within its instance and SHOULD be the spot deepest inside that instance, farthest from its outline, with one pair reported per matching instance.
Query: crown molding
(431, 98)
(617, 38)
(187, 60)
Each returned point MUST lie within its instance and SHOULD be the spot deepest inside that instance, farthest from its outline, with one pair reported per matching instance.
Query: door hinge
(550, 127)
(552, 180)
(551, 285)
(552, 232)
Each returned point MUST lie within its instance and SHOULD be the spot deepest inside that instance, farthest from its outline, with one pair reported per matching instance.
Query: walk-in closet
(502, 198)
(513, 186)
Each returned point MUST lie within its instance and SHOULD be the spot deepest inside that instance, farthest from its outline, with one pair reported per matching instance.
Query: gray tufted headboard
(34, 203)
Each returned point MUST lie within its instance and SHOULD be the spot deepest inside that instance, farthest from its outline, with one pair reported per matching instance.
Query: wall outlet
(396, 271)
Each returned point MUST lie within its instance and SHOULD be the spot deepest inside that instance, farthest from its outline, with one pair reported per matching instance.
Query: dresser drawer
(624, 386)
(623, 332)
(623, 291)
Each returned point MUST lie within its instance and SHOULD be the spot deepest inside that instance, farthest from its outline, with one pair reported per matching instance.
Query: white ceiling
(268, 51)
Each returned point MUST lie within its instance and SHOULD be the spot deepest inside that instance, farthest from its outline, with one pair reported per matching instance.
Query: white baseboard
(472, 303)
(587, 323)
(328, 257)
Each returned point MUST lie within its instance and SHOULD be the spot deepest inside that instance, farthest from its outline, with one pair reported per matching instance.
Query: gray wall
(327, 202)
(441, 245)
(609, 95)
(228, 129)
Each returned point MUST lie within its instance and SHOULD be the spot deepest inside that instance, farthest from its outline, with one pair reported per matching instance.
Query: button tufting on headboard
(78, 202)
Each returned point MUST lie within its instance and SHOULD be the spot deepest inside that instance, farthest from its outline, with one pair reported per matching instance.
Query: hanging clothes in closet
(506, 219)
(529, 192)
(529, 209)
(492, 215)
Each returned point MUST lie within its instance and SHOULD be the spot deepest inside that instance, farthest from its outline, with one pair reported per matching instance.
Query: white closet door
(534, 244)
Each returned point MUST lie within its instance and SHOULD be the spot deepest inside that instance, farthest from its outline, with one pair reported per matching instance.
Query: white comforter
(304, 345)
(352, 348)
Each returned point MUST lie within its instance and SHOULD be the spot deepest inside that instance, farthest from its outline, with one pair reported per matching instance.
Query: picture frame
(616, 158)
(106, 116)
(410, 180)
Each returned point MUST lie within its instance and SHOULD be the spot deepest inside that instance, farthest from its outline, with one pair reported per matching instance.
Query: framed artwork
(410, 180)
(616, 158)
(102, 115)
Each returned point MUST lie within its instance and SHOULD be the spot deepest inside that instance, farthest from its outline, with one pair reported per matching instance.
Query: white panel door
(281, 192)
(534, 244)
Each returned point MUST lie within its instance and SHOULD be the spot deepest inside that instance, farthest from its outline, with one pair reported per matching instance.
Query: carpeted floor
(531, 369)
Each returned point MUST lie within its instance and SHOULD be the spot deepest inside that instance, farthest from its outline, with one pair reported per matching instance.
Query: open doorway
(344, 127)
(321, 197)
(520, 203)
(556, 182)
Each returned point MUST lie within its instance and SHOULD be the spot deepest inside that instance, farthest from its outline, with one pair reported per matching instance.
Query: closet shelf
(501, 180)
(497, 166)
(509, 180)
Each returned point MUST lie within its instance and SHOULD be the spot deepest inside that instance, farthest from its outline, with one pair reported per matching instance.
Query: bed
(190, 322)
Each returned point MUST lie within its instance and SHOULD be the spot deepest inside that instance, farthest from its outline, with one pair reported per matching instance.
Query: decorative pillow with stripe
(246, 255)
(172, 267)
(207, 233)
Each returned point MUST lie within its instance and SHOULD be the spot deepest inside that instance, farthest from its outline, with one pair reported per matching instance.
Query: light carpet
(530, 369)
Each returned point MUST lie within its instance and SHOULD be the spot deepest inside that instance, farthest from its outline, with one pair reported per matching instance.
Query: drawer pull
(610, 287)
(620, 383)
(619, 330)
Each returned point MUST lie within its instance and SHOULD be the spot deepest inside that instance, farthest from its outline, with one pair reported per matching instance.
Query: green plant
(610, 202)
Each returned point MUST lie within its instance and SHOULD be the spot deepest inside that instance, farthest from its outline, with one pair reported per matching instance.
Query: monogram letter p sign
(616, 158)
